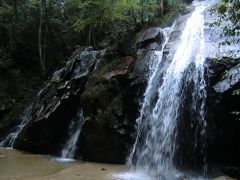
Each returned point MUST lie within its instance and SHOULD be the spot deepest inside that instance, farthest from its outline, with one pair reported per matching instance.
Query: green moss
(88, 118)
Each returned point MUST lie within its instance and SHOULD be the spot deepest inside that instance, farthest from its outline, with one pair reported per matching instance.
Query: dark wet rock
(231, 79)
(233, 172)
(2, 156)
(57, 104)
(109, 96)
(4, 110)
(147, 42)
(223, 80)
(217, 68)
(111, 102)
(222, 178)
(141, 69)
(108, 105)
(151, 37)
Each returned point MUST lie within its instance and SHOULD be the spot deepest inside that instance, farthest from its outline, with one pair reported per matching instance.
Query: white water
(10, 139)
(215, 38)
(69, 149)
(70, 146)
(156, 58)
(155, 146)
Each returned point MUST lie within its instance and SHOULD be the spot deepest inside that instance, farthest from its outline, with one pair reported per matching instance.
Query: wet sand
(17, 165)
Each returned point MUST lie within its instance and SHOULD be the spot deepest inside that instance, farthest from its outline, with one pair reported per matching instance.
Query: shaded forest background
(41, 33)
(38, 36)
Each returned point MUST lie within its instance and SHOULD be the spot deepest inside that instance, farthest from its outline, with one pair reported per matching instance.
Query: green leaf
(222, 9)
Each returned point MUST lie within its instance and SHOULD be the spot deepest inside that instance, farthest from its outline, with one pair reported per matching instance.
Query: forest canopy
(49, 29)
(44, 32)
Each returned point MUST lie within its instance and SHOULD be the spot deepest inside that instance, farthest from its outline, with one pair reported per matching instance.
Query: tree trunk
(132, 11)
(161, 7)
(89, 36)
(42, 37)
(142, 11)
(15, 7)
(93, 38)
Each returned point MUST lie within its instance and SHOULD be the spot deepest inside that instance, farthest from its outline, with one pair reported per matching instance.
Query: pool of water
(17, 165)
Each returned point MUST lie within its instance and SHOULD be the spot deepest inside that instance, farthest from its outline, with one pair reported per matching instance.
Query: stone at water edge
(2, 156)
(232, 79)
(223, 178)
(149, 36)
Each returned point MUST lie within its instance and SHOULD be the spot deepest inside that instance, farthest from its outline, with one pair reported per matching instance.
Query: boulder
(107, 96)
(223, 80)
(231, 80)
(223, 178)
(107, 87)
(109, 107)
(56, 105)
(231, 172)
(2, 156)
(150, 37)
(4, 110)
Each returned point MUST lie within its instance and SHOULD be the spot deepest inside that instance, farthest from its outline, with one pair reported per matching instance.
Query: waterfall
(10, 139)
(66, 84)
(75, 127)
(157, 126)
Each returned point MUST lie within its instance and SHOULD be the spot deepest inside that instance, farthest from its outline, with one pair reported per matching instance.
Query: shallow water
(17, 165)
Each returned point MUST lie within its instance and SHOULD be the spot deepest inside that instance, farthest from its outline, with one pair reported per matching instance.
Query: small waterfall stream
(10, 139)
(69, 149)
(68, 82)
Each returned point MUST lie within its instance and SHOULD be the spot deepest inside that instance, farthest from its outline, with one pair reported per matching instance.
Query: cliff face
(224, 80)
(109, 88)
(45, 121)
(106, 86)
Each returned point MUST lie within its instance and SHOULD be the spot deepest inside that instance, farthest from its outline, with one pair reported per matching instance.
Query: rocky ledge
(106, 86)
(223, 102)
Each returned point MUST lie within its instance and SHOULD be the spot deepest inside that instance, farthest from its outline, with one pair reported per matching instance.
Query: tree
(229, 11)
(29, 28)
(42, 35)
(100, 17)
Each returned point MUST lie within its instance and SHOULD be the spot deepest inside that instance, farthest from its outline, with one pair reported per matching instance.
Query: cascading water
(149, 94)
(67, 84)
(154, 149)
(10, 139)
(69, 149)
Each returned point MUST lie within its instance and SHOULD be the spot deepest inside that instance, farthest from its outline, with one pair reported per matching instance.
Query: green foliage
(5, 61)
(236, 92)
(222, 9)
(229, 10)
(87, 119)
(67, 23)
(99, 116)
(102, 17)
(19, 23)
(236, 114)
(110, 18)
(5, 9)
